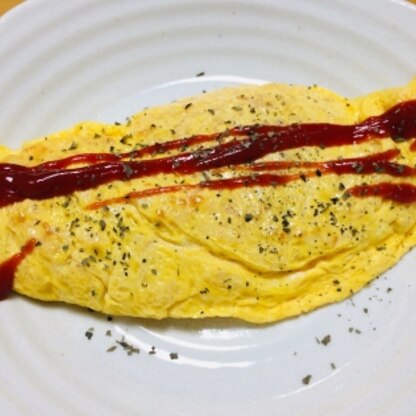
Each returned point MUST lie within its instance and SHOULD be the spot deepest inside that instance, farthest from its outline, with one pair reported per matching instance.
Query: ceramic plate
(66, 61)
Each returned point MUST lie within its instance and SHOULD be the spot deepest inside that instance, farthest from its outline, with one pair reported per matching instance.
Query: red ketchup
(8, 268)
(404, 193)
(54, 178)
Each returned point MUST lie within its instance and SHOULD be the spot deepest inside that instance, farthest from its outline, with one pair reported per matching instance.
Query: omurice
(253, 202)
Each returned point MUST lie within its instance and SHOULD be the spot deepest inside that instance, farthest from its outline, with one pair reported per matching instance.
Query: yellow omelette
(258, 253)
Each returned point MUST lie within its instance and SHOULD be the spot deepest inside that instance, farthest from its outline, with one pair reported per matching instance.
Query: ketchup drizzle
(52, 179)
(8, 268)
(154, 149)
(375, 163)
(404, 193)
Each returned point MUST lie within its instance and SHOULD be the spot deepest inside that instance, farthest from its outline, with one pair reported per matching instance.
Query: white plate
(66, 61)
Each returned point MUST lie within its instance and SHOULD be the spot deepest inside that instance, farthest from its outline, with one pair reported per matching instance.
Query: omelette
(252, 202)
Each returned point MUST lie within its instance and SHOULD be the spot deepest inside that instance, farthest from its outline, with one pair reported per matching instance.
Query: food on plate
(253, 202)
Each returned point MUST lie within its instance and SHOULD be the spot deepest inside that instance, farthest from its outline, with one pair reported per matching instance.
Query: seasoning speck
(326, 340)
(306, 380)
(130, 349)
(248, 217)
(89, 333)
